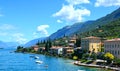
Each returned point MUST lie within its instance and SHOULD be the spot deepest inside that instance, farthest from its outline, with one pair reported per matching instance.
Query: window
(115, 45)
(113, 52)
(118, 52)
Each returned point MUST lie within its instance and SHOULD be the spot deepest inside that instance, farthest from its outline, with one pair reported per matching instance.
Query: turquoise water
(23, 62)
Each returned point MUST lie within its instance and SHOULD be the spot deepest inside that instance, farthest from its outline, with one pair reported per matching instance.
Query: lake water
(10, 61)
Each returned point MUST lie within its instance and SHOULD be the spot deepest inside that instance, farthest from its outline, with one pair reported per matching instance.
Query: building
(78, 50)
(72, 41)
(112, 46)
(56, 50)
(35, 47)
(68, 50)
(41, 49)
(91, 44)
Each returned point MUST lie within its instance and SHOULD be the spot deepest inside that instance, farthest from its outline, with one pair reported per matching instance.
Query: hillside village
(100, 43)
(92, 48)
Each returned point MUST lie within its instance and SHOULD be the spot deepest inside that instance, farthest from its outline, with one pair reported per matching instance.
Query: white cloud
(7, 27)
(107, 3)
(19, 37)
(59, 21)
(76, 2)
(36, 35)
(71, 14)
(42, 29)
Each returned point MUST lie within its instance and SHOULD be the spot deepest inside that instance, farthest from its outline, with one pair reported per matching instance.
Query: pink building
(35, 47)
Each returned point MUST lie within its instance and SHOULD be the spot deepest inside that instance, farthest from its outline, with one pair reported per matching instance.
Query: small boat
(38, 61)
(46, 66)
(36, 57)
(32, 56)
(81, 70)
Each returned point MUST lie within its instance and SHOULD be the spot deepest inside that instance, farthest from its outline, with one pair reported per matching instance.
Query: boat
(39, 62)
(81, 70)
(32, 56)
(36, 57)
(46, 66)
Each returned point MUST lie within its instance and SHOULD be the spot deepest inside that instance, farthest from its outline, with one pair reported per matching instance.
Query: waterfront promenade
(97, 66)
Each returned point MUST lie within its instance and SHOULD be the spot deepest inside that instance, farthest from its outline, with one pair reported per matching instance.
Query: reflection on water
(10, 61)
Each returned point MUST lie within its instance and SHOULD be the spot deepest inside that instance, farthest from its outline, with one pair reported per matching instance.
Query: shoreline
(82, 64)
(96, 66)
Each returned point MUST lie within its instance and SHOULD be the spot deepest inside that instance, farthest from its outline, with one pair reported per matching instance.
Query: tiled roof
(91, 37)
(116, 39)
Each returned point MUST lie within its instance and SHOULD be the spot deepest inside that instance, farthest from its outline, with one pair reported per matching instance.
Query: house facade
(68, 50)
(72, 41)
(112, 46)
(35, 47)
(56, 50)
(91, 44)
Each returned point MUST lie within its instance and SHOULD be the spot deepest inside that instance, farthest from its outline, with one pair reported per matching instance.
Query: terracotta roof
(55, 47)
(91, 37)
(35, 46)
(116, 39)
(68, 47)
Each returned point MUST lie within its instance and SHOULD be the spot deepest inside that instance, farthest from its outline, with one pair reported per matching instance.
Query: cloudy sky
(24, 20)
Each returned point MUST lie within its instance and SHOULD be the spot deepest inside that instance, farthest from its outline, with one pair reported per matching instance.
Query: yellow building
(112, 46)
(91, 44)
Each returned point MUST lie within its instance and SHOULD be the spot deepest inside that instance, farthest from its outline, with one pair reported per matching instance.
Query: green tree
(46, 47)
(75, 57)
(93, 56)
(85, 56)
(19, 48)
(38, 43)
(78, 42)
(49, 44)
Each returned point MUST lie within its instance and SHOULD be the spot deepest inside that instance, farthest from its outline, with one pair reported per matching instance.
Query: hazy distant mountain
(86, 26)
(8, 44)
(2, 44)
(34, 41)
(12, 44)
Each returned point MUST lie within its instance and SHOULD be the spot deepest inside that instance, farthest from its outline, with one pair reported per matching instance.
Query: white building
(112, 46)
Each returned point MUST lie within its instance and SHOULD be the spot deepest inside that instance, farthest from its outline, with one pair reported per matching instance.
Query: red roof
(116, 39)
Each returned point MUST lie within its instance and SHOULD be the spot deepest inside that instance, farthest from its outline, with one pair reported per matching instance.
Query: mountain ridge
(79, 28)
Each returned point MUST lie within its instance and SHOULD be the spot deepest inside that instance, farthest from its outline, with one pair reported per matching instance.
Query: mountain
(101, 21)
(59, 33)
(8, 44)
(79, 28)
(12, 44)
(86, 26)
(68, 30)
(34, 41)
(2, 44)
(108, 31)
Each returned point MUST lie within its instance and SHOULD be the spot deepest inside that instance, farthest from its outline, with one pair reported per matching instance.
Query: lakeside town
(92, 51)
(59, 35)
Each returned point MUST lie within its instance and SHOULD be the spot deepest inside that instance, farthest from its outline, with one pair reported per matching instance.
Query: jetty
(97, 66)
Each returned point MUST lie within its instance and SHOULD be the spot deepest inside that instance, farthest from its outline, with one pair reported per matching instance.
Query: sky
(25, 20)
